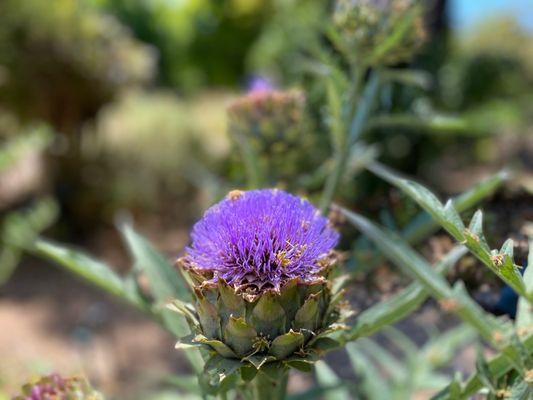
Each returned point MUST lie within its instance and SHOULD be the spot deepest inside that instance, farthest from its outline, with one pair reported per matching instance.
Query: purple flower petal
(261, 239)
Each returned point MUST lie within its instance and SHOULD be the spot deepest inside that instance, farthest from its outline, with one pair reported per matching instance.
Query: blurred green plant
(199, 42)
(20, 226)
(79, 58)
(157, 140)
(386, 375)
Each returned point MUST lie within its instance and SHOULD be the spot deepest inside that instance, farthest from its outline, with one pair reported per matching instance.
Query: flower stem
(271, 384)
(357, 126)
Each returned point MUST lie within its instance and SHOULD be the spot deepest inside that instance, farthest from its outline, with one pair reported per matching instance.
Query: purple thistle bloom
(260, 239)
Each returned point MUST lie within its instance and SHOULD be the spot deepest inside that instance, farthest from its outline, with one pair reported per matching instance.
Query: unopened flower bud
(380, 32)
(274, 124)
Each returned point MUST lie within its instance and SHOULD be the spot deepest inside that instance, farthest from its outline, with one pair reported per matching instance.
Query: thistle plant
(261, 269)
(380, 32)
(55, 387)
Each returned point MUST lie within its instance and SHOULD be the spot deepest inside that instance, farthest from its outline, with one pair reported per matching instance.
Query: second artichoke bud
(380, 32)
(274, 124)
(261, 265)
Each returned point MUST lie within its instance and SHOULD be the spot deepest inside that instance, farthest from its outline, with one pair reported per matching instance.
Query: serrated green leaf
(423, 225)
(452, 215)
(424, 197)
(498, 366)
(476, 227)
(398, 252)
(429, 202)
(508, 248)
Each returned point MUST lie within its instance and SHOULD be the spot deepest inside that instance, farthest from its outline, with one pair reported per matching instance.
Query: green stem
(270, 386)
(356, 128)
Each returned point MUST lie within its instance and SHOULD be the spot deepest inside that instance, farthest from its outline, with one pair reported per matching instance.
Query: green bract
(292, 325)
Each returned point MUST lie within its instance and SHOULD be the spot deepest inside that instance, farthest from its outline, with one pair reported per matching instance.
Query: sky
(467, 13)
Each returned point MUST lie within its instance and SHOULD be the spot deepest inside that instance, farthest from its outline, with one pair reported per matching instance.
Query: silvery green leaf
(398, 252)
(521, 390)
(498, 366)
(372, 384)
(429, 202)
(165, 282)
(400, 305)
(483, 371)
(328, 378)
(93, 271)
(476, 227)
(422, 225)
(524, 315)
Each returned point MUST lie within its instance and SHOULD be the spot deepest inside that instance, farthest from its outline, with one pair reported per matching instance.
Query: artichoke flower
(54, 387)
(380, 31)
(261, 270)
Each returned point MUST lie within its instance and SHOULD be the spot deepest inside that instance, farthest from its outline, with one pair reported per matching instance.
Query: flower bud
(274, 124)
(380, 32)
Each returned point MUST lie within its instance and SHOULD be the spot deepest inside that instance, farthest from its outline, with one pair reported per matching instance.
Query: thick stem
(271, 384)
(357, 126)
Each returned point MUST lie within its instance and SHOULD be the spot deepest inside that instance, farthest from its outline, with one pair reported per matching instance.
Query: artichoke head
(295, 323)
(260, 269)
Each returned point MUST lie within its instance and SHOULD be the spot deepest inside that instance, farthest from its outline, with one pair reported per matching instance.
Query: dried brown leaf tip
(498, 259)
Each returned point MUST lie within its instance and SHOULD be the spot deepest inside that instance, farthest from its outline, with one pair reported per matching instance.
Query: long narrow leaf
(524, 315)
(164, 279)
(498, 367)
(327, 377)
(400, 305)
(448, 218)
(423, 224)
(89, 269)
(165, 284)
(398, 252)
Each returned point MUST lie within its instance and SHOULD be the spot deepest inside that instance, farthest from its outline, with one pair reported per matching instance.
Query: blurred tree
(200, 42)
(62, 61)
